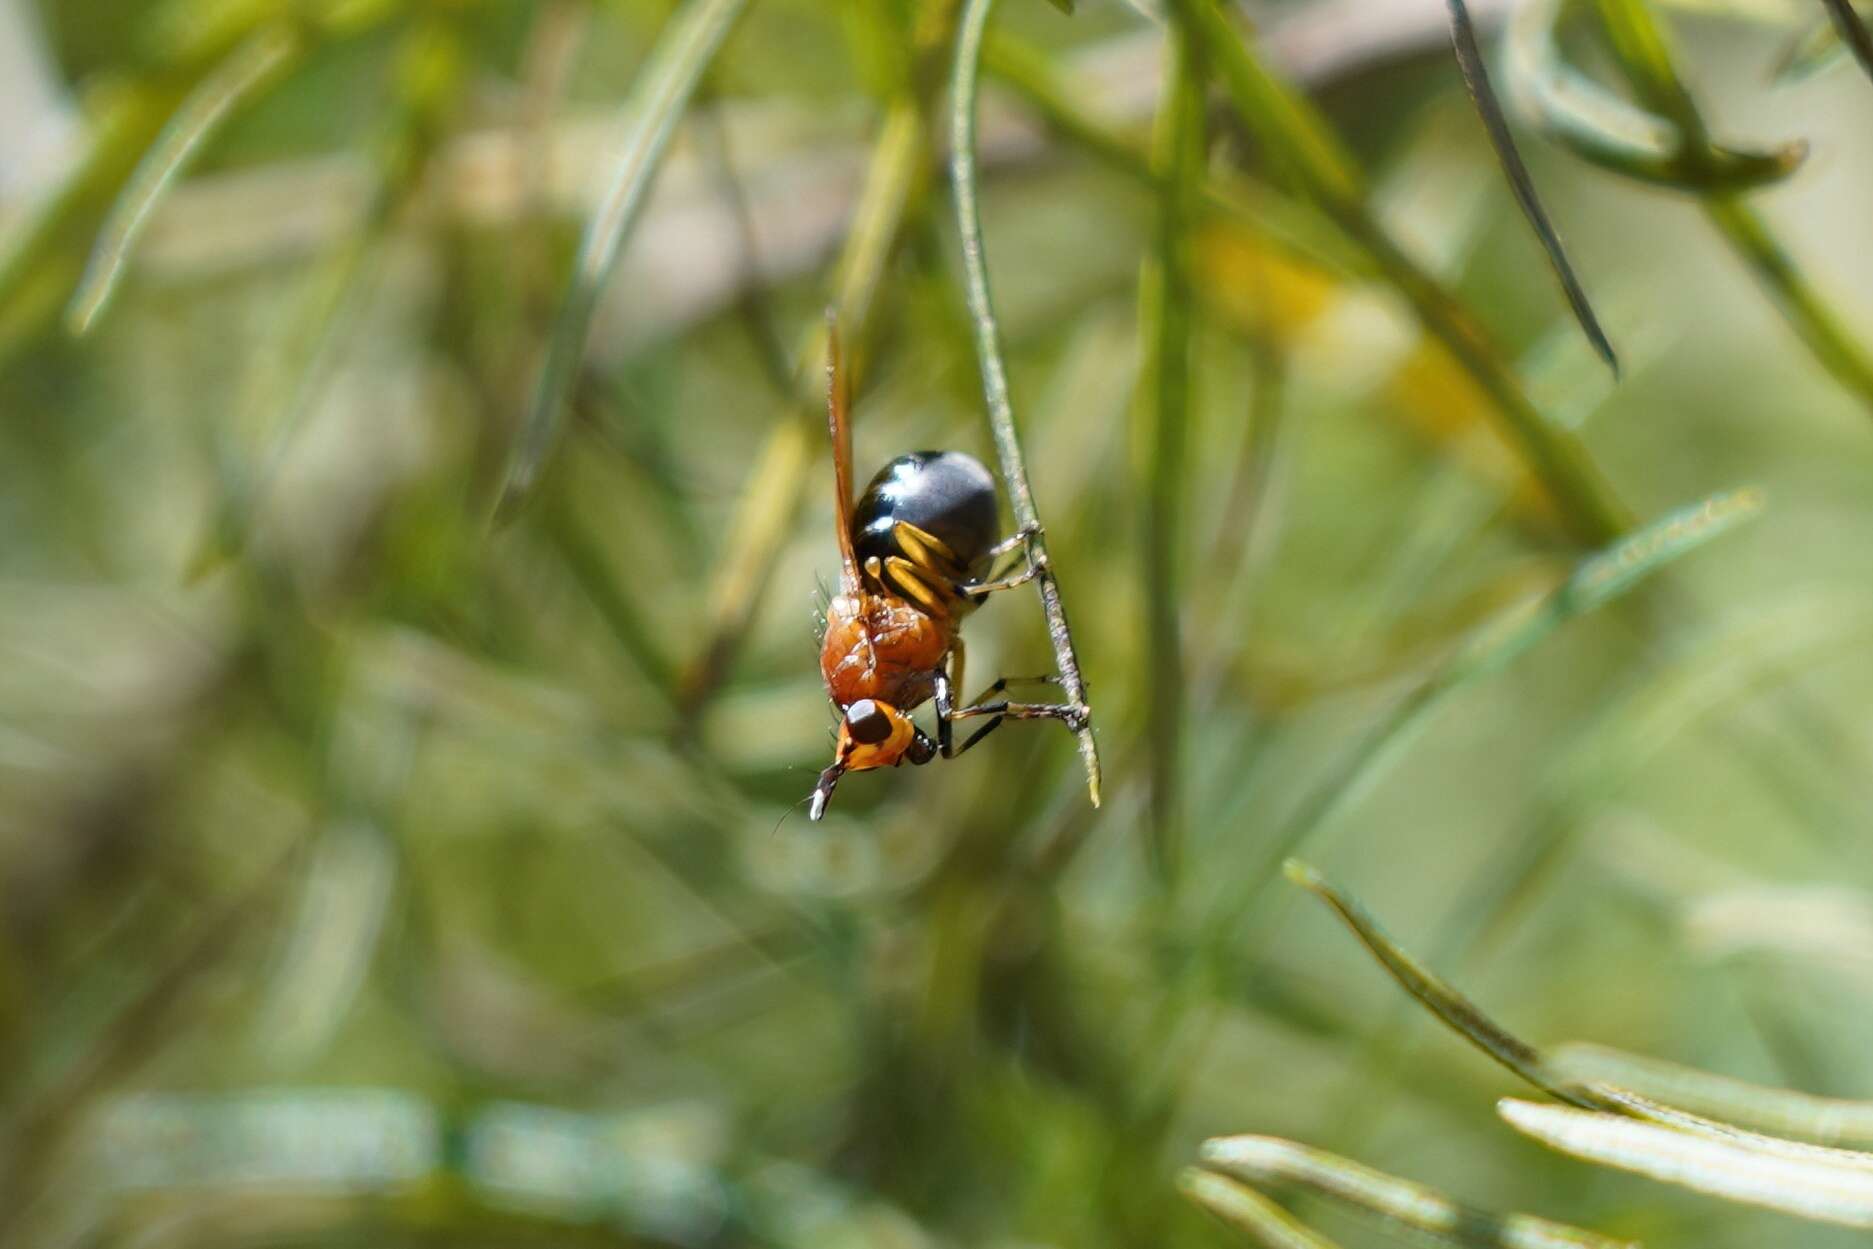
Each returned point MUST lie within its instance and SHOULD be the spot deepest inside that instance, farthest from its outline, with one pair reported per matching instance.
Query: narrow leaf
(1595, 582)
(1476, 80)
(1827, 1120)
(1853, 32)
(1730, 1169)
(244, 73)
(1299, 141)
(1456, 1010)
(1813, 51)
(1267, 1159)
(1262, 1219)
(1610, 574)
(1166, 323)
(964, 81)
(689, 42)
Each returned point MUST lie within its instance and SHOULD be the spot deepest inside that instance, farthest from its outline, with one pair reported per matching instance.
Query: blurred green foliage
(379, 869)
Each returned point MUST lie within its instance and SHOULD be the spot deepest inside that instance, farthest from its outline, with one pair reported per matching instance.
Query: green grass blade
(1468, 1020)
(1853, 32)
(1299, 141)
(1811, 53)
(1813, 318)
(1645, 57)
(1595, 582)
(1476, 81)
(1415, 1207)
(1457, 1011)
(1604, 577)
(1001, 418)
(243, 74)
(1267, 1223)
(1783, 1112)
(1731, 1169)
(689, 42)
(892, 196)
(1166, 317)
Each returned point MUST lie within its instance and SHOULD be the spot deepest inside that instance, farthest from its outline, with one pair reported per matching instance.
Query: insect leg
(914, 583)
(978, 735)
(1018, 538)
(982, 589)
(1072, 715)
(944, 710)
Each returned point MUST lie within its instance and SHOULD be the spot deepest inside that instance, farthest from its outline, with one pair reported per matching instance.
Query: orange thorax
(880, 646)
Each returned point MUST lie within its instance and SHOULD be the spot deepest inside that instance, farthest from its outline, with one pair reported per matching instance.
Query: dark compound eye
(867, 722)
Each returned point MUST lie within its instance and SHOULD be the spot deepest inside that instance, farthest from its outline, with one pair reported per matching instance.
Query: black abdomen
(946, 494)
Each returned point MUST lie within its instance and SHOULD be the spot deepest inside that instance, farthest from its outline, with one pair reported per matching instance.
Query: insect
(916, 556)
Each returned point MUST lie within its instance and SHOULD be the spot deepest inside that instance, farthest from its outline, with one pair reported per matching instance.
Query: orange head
(872, 734)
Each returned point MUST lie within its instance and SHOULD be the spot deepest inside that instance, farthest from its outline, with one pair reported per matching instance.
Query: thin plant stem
(1483, 95)
(689, 43)
(245, 72)
(1166, 325)
(1853, 32)
(1300, 143)
(995, 378)
(1808, 313)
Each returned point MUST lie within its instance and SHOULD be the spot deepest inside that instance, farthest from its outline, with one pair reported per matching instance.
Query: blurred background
(384, 867)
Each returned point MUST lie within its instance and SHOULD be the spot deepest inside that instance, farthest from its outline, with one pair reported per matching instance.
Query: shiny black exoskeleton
(946, 494)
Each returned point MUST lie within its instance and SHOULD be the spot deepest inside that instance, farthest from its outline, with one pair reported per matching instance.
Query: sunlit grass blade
(1606, 576)
(1476, 79)
(1784, 1112)
(1249, 1211)
(1469, 1021)
(666, 83)
(1013, 463)
(1730, 1169)
(243, 74)
(1406, 1205)
(1605, 129)
(1853, 32)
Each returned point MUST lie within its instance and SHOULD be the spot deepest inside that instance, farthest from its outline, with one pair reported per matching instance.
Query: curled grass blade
(690, 41)
(1728, 1168)
(1249, 1211)
(1640, 47)
(244, 73)
(1001, 418)
(1483, 95)
(1407, 1205)
(1605, 130)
